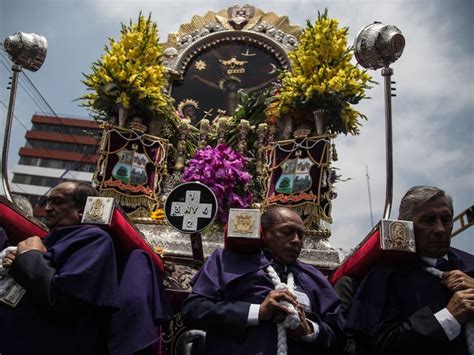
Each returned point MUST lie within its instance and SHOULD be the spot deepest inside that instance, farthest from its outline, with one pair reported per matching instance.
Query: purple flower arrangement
(222, 169)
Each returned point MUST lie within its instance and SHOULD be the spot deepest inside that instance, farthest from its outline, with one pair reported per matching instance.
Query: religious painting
(299, 177)
(295, 176)
(214, 77)
(131, 167)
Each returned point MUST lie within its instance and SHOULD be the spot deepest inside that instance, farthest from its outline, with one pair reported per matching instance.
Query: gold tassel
(129, 201)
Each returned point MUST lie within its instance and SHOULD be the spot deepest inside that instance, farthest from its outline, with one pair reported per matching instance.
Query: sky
(433, 113)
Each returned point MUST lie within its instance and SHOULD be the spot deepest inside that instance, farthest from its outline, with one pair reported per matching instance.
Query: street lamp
(26, 50)
(377, 46)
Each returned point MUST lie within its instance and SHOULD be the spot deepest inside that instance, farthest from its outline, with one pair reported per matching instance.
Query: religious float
(240, 101)
(236, 111)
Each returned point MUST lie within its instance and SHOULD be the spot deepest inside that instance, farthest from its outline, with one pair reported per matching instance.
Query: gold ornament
(200, 65)
(243, 223)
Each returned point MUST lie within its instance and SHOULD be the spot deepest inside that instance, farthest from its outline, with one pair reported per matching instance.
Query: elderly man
(70, 280)
(411, 308)
(237, 298)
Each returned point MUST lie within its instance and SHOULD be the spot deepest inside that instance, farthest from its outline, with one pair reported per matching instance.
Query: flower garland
(158, 214)
(223, 170)
(322, 77)
(130, 74)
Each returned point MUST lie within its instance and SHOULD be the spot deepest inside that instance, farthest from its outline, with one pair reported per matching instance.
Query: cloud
(433, 112)
(432, 122)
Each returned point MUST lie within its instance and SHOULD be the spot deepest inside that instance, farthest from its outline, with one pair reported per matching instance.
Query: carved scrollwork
(178, 277)
(245, 22)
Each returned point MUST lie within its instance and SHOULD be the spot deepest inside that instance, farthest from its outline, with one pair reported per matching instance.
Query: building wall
(56, 149)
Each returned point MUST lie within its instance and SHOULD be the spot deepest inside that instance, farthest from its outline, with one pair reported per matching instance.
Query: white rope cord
(291, 321)
(469, 326)
(3, 253)
(5, 280)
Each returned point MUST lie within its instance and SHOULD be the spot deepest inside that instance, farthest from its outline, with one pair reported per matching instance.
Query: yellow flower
(158, 214)
(124, 100)
(159, 250)
(322, 74)
(133, 64)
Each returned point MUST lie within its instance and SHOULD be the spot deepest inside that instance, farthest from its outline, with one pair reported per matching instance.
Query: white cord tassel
(292, 320)
(3, 253)
(282, 348)
(6, 281)
(469, 326)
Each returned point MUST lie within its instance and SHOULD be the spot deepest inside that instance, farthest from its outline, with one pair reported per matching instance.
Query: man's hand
(305, 327)
(8, 259)
(32, 243)
(271, 307)
(457, 280)
(461, 305)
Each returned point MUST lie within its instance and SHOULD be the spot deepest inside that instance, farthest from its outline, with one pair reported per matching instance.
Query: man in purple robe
(235, 301)
(136, 327)
(70, 279)
(3, 239)
(406, 309)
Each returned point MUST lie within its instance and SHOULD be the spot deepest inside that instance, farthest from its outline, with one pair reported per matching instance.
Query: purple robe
(239, 279)
(3, 239)
(143, 306)
(415, 290)
(86, 293)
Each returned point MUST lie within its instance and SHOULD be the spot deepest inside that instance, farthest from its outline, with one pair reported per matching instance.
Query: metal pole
(196, 245)
(370, 197)
(387, 74)
(16, 69)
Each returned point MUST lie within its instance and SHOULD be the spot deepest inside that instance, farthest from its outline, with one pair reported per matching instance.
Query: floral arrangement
(130, 75)
(223, 170)
(159, 250)
(158, 214)
(322, 77)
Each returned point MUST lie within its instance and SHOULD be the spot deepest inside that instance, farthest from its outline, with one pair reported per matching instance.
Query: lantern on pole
(26, 50)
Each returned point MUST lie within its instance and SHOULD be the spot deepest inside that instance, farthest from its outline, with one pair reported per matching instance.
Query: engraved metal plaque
(244, 223)
(397, 235)
(98, 210)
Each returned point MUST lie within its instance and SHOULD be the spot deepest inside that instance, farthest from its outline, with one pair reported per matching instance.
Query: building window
(58, 128)
(35, 180)
(57, 164)
(30, 161)
(68, 147)
(21, 179)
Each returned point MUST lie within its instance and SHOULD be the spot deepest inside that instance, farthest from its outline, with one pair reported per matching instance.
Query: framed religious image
(215, 56)
(214, 76)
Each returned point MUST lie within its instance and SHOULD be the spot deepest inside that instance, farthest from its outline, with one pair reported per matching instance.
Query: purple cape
(416, 289)
(3, 239)
(143, 305)
(241, 277)
(86, 290)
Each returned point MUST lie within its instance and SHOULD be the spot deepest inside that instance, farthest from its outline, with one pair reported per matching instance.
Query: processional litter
(235, 112)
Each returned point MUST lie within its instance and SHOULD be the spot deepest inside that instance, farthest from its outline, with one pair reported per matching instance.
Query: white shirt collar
(432, 261)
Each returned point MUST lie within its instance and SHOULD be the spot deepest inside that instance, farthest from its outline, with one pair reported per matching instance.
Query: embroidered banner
(298, 176)
(130, 169)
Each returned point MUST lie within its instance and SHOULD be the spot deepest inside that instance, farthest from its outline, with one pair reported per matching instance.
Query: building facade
(57, 149)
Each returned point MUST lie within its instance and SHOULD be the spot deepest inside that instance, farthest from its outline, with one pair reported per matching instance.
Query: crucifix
(191, 210)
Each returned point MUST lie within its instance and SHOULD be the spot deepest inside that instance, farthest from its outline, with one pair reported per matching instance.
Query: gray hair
(24, 204)
(416, 197)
